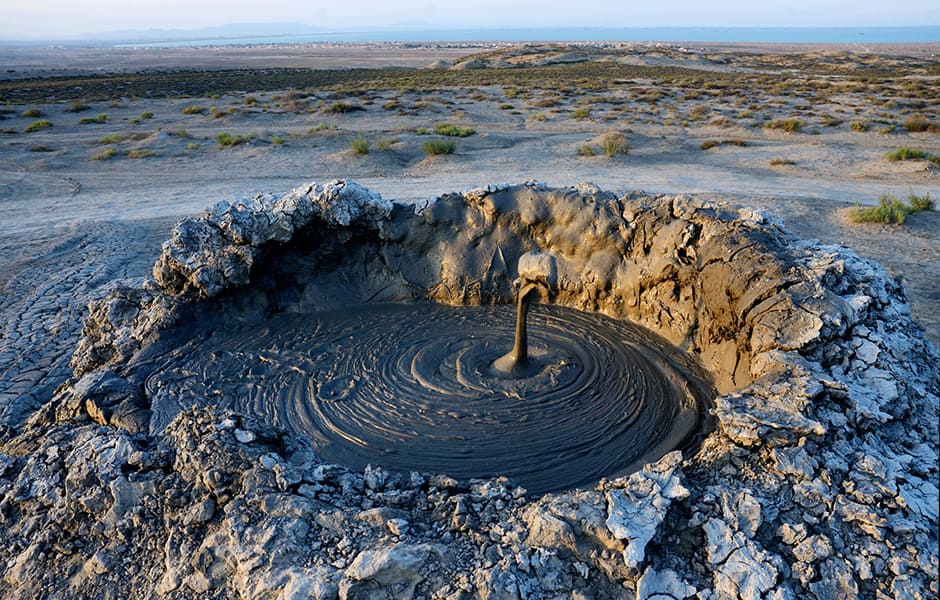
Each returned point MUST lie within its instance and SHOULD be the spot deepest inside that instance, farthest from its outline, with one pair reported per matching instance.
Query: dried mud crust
(819, 481)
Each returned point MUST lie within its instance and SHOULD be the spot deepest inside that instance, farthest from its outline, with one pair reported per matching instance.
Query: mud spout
(516, 363)
(537, 273)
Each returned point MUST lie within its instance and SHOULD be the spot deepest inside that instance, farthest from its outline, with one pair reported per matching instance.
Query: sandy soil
(81, 210)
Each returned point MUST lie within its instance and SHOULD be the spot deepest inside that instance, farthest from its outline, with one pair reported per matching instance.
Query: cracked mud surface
(820, 479)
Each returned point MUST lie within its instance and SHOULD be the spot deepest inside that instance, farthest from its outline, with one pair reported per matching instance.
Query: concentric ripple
(412, 387)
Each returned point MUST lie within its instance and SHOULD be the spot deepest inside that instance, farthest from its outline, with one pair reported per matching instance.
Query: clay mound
(819, 481)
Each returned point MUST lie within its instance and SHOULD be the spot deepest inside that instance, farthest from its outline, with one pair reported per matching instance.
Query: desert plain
(103, 150)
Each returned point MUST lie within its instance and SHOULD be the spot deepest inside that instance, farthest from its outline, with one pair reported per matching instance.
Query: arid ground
(802, 133)
(817, 480)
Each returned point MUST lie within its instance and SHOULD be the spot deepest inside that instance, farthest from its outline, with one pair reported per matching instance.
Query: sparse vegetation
(435, 147)
(38, 125)
(698, 112)
(905, 153)
(383, 144)
(141, 153)
(76, 106)
(106, 154)
(790, 125)
(343, 107)
(587, 150)
(100, 119)
(613, 144)
(709, 144)
(194, 110)
(452, 130)
(919, 123)
(359, 145)
(779, 162)
(32, 113)
(146, 115)
(890, 210)
(112, 138)
(920, 203)
(277, 140)
(227, 139)
(581, 113)
(859, 126)
(40, 148)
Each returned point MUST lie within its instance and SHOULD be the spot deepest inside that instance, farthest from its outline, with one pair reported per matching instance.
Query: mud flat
(819, 478)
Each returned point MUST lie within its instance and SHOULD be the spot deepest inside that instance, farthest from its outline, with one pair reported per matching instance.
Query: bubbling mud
(414, 387)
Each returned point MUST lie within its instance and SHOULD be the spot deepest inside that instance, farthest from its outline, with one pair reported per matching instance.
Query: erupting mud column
(537, 272)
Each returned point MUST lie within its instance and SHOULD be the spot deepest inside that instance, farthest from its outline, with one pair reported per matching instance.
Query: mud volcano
(335, 313)
(431, 387)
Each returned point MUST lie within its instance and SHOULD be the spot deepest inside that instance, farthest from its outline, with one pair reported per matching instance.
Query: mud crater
(412, 387)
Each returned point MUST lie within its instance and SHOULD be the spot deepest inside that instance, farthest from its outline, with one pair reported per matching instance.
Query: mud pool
(412, 387)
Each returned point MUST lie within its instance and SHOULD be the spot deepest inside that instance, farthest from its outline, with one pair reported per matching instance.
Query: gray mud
(819, 479)
(413, 387)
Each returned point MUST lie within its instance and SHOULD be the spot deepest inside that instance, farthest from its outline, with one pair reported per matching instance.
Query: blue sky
(58, 18)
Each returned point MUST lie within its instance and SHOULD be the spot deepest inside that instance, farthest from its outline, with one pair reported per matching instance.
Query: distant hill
(232, 30)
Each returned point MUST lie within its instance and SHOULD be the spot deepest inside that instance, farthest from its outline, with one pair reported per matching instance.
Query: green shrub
(905, 153)
(113, 138)
(435, 147)
(698, 112)
(359, 145)
(383, 144)
(790, 125)
(277, 140)
(920, 203)
(890, 210)
(859, 126)
(709, 144)
(613, 144)
(581, 113)
(586, 150)
(37, 125)
(102, 118)
(194, 110)
(106, 154)
(453, 131)
(227, 139)
(343, 107)
(141, 153)
(32, 113)
(422, 131)
(146, 115)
